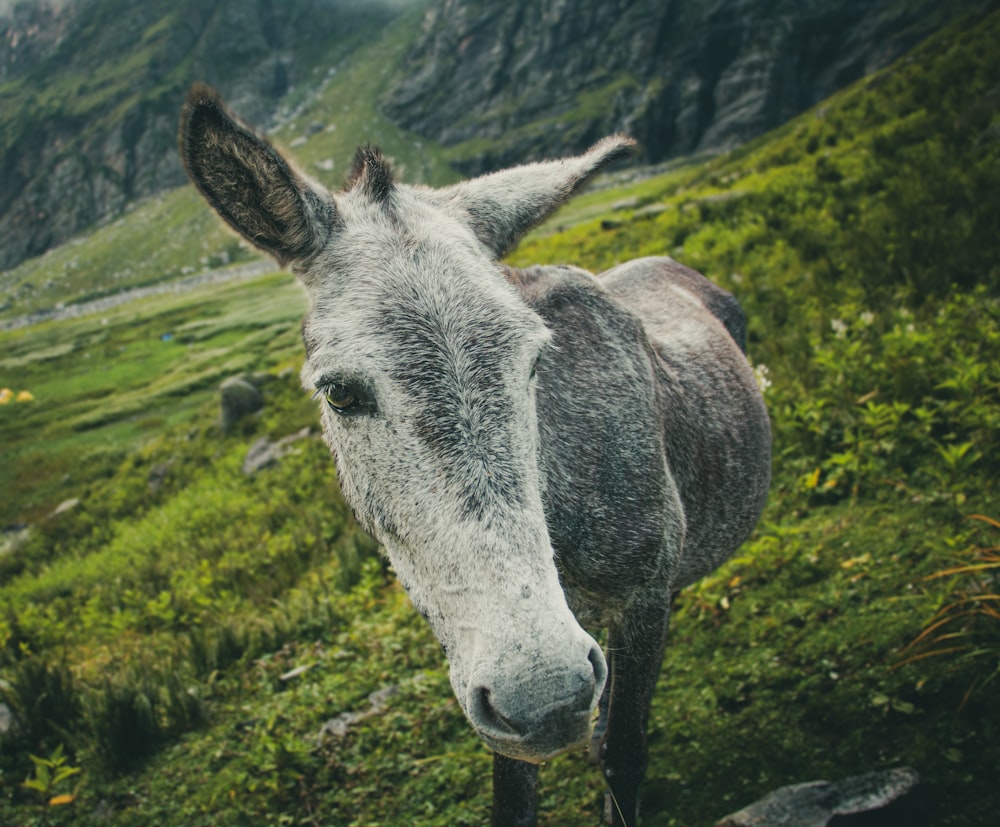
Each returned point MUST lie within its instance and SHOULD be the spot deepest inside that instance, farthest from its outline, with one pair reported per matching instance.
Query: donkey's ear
(248, 182)
(503, 206)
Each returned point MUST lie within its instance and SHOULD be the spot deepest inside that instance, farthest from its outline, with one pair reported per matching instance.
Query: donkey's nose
(533, 718)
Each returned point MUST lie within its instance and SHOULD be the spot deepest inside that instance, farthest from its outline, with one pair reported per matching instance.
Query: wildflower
(838, 327)
(867, 318)
(760, 373)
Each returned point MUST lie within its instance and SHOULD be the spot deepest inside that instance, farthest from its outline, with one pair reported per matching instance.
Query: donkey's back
(662, 292)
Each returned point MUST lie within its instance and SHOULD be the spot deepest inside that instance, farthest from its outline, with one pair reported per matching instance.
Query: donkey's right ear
(248, 182)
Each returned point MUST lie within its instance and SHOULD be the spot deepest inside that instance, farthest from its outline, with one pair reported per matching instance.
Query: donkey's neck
(601, 452)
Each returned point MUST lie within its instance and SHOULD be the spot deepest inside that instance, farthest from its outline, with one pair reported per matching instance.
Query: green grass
(104, 383)
(151, 631)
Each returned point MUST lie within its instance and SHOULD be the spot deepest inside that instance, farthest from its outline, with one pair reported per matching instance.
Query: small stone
(625, 204)
(157, 474)
(264, 453)
(65, 505)
(6, 719)
(239, 398)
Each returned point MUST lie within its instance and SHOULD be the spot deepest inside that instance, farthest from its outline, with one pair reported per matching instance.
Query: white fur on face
(427, 353)
(442, 465)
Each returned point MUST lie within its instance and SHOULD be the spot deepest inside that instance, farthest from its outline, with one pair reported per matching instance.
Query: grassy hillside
(89, 117)
(185, 631)
(174, 235)
(342, 114)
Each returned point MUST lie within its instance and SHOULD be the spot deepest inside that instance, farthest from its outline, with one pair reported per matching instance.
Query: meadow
(187, 643)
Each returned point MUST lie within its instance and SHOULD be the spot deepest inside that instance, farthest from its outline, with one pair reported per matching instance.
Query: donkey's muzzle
(535, 716)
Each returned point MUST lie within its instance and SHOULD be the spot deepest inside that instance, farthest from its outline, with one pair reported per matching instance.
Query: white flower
(760, 373)
(838, 327)
(867, 318)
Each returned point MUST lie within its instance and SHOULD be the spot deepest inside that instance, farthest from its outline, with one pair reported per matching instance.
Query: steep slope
(501, 81)
(862, 239)
(89, 89)
(30, 32)
(174, 237)
(90, 92)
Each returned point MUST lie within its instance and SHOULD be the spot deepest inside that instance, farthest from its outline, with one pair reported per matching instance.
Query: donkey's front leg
(636, 651)
(514, 800)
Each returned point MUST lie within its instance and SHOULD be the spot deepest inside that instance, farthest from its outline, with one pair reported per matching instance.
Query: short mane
(372, 172)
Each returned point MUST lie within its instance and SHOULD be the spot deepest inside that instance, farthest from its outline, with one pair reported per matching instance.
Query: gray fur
(535, 449)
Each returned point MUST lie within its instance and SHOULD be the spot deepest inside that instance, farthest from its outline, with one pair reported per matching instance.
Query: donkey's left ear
(503, 206)
(249, 183)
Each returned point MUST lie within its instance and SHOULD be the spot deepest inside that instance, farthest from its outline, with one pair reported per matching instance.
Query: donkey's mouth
(535, 720)
(555, 733)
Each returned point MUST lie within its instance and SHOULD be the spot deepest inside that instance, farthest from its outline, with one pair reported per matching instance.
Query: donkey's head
(424, 356)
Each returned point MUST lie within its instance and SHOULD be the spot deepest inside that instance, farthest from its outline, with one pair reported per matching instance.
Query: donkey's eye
(345, 399)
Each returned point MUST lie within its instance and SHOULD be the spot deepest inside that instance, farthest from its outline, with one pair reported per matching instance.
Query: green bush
(131, 715)
(45, 701)
(895, 399)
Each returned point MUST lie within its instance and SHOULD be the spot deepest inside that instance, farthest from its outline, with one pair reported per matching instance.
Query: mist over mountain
(90, 89)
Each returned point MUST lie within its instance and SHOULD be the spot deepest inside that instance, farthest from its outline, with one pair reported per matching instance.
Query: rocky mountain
(502, 81)
(31, 31)
(90, 90)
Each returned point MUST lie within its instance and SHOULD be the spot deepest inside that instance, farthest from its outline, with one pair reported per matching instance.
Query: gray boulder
(816, 803)
(238, 398)
(264, 453)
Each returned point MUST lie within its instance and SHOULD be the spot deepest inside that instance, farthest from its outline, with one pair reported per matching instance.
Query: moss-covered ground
(184, 633)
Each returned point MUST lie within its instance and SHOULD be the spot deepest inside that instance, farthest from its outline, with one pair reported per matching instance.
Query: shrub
(44, 699)
(896, 400)
(133, 714)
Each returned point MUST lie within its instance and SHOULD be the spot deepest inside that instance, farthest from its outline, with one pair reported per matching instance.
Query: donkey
(536, 450)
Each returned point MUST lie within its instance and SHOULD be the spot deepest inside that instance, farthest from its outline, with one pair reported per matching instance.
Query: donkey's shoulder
(577, 304)
(672, 302)
(658, 288)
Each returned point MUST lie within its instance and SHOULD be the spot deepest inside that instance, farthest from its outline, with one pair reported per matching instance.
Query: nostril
(488, 715)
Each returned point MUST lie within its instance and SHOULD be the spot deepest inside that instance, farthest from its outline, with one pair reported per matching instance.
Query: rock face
(682, 76)
(91, 90)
